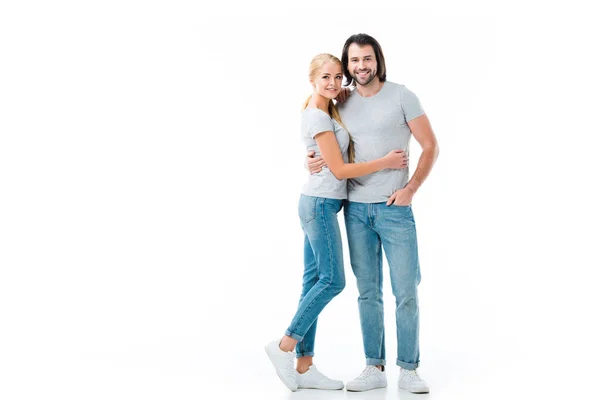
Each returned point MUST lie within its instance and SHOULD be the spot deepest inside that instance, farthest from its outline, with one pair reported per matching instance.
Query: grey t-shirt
(378, 125)
(323, 184)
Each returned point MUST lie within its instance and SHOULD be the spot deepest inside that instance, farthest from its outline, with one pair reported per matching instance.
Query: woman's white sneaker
(283, 361)
(411, 381)
(314, 379)
(370, 378)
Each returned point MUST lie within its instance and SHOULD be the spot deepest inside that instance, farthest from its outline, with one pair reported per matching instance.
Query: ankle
(302, 369)
(303, 364)
(287, 344)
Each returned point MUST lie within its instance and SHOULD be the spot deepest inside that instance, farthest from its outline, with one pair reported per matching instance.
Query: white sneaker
(370, 378)
(283, 361)
(411, 381)
(314, 379)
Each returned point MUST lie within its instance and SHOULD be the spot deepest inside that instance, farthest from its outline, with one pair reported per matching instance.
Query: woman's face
(328, 81)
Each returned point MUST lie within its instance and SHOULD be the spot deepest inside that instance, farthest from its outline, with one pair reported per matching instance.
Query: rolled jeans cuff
(375, 361)
(305, 354)
(294, 336)
(406, 365)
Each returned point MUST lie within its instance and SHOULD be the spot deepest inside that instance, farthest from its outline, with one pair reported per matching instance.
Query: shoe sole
(416, 391)
(293, 387)
(364, 390)
(320, 388)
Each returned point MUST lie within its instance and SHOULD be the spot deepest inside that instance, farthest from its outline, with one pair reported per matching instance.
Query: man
(381, 116)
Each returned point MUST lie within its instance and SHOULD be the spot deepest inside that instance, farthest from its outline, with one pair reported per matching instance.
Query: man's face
(328, 81)
(362, 63)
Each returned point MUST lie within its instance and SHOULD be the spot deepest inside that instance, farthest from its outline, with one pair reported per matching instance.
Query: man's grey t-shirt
(323, 184)
(378, 125)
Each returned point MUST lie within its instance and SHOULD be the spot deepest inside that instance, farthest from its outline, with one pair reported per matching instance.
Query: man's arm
(423, 133)
(314, 164)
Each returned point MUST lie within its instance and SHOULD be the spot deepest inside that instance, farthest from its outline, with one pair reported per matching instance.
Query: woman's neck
(320, 102)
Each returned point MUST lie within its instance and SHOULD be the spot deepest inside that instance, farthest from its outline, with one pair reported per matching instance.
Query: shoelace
(290, 364)
(412, 375)
(366, 372)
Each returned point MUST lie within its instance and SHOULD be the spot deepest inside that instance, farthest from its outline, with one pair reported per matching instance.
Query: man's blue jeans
(323, 267)
(371, 227)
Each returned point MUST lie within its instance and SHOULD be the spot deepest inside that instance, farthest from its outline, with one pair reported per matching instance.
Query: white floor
(183, 370)
(150, 169)
(155, 335)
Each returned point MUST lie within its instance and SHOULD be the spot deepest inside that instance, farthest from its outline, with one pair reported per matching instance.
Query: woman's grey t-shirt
(378, 125)
(324, 183)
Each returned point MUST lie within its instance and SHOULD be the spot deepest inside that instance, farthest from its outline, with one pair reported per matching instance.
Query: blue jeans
(323, 267)
(371, 227)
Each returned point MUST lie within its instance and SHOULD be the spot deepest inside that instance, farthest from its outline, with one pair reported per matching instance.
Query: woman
(321, 199)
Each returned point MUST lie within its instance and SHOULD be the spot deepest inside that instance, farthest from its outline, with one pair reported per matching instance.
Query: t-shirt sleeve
(316, 121)
(411, 105)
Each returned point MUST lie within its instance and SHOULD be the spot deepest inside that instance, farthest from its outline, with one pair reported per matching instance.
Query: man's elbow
(432, 148)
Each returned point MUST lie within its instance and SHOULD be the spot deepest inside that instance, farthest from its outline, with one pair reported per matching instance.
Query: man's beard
(369, 78)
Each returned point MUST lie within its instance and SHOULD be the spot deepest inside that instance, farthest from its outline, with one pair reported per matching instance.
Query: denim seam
(313, 213)
(328, 241)
(408, 222)
(302, 344)
(379, 288)
(309, 306)
(326, 286)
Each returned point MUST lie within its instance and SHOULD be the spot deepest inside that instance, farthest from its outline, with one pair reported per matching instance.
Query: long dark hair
(362, 39)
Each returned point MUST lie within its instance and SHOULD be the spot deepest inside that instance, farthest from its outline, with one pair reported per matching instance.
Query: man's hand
(401, 197)
(315, 164)
(343, 95)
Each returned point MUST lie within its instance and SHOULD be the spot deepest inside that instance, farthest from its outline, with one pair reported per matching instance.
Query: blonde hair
(315, 66)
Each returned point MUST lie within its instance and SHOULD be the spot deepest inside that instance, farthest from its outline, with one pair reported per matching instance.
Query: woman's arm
(330, 150)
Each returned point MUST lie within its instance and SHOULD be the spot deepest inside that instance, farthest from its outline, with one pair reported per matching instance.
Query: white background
(150, 167)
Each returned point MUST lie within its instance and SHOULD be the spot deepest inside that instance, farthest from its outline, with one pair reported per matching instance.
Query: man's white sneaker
(411, 381)
(370, 378)
(283, 361)
(314, 379)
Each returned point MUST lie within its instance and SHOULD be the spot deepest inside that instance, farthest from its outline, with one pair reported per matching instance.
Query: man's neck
(371, 89)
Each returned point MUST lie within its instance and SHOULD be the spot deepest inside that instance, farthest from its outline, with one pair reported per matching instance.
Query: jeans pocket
(307, 208)
(402, 213)
(335, 205)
